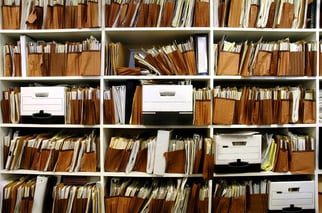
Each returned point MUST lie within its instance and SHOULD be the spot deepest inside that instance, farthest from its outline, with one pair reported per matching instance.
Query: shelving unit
(147, 37)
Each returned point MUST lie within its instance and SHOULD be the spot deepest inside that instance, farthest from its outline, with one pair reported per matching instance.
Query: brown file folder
(11, 16)
(302, 162)
(35, 18)
(223, 111)
(287, 15)
(141, 160)
(202, 112)
(168, 10)
(153, 13)
(70, 16)
(257, 203)
(72, 65)
(92, 14)
(57, 64)
(308, 111)
(262, 63)
(271, 15)
(64, 160)
(266, 112)
(175, 161)
(88, 162)
(202, 8)
(5, 107)
(253, 14)
(283, 66)
(90, 63)
(238, 204)
(58, 16)
(282, 155)
(310, 63)
(235, 13)
(81, 16)
(228, 63)
(36, 65)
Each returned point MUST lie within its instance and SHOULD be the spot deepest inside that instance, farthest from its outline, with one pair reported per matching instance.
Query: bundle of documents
(229, 197)
(83, 106)
(157, 195)
(114, 104)
(62, 59)
(224, 101)
(186, 58)
(26, 194)
(257, 200)
(263, 106)
(320, 58)
(320, 106)
(46, 14)
(122, 103)
(77, 198)
(265, 13)
(11, 14)
(289, 152)
(61, 152)
(157, 13)
(266, 58)
(161, 154)
(12, 59)
(10, 105)
(202, 108)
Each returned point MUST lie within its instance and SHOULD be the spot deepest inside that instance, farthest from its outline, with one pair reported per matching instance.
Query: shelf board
(65, 126)
(266, 78)
(157, 77)
(268, 34)
(233, 126)
(34, 172)
(60, 79)
(256, 174)
(143, 174)
(152, 36)
(56, 34)
(129, 126)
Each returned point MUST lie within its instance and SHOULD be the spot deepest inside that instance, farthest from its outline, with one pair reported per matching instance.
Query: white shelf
(142, 174)
(35, 172)
(56, 126)
(147, 37)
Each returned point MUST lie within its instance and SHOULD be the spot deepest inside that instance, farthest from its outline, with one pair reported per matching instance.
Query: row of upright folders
(62, 14)
(190, 56)
(131, 104)
(50, 194)
(123, 195)
(161, 152)
(265, 14)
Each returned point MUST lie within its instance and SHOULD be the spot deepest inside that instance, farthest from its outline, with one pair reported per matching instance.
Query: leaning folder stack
(150, 13)
(51, 152)
(264, 14)
(189, 57)
(161, 154)
(173, 195)
(58, 59)
(263, 106)
(266, 58)
(45, 14)
(289, 152)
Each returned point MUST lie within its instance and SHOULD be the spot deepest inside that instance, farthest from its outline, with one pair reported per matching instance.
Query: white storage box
(43, 104)
(238, 152)
(167, 104)
(291, 194)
